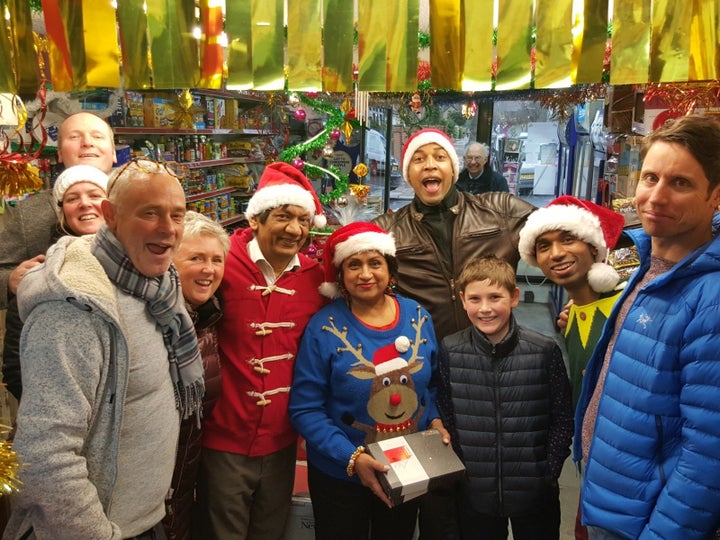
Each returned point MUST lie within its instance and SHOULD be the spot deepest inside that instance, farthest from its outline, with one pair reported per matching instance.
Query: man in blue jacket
(648, 420)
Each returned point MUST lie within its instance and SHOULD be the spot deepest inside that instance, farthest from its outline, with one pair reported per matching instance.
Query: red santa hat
(597, 225)
(387, 358)
(428, 136)
(281, 184)
(349, 240)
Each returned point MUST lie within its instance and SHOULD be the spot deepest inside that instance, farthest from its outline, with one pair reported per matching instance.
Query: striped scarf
(165, 304)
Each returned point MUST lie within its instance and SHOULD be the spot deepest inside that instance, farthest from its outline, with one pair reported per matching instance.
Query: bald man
(31, 227)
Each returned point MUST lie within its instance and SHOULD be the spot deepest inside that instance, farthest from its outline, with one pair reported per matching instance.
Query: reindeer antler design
(342, 336)
(417, 324)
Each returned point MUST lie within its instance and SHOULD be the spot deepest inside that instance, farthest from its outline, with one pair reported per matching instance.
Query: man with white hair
(478, 176)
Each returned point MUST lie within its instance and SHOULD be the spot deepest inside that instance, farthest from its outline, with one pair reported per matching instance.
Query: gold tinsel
(9, 465)
(17, 178)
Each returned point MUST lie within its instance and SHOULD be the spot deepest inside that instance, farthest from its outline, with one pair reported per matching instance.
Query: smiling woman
(78, 194)
(363, 374)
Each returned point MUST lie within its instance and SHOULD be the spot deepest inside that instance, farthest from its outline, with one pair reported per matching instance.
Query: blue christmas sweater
(354, 384)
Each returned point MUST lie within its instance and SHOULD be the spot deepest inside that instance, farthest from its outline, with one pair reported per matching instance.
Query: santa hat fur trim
(428, 136)
(597, 225)
(349, 240)
(387, 358)
(281, 184)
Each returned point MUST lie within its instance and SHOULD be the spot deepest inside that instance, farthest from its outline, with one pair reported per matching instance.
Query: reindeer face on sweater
(393, 403)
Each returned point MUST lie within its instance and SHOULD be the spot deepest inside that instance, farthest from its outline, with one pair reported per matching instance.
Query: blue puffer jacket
(654, 464)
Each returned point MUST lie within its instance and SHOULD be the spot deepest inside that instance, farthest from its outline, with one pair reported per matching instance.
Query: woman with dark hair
(364, 373)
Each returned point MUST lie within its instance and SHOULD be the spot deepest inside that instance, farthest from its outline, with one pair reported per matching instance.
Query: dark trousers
(541, 524)
(438, 515)
(350, 511)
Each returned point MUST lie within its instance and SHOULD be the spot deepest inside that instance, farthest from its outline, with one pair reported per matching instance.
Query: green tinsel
(423, 40)
(35, 5)
(335, 120)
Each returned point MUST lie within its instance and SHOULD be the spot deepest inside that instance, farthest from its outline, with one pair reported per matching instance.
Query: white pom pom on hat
(597, 225)
(281, 184)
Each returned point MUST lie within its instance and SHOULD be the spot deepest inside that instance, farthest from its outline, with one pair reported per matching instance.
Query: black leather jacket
(486, 224)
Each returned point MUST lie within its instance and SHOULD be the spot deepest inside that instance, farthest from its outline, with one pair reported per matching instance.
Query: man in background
(478, 176)
(30, 228)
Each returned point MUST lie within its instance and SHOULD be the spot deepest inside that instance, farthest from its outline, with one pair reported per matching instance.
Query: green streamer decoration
(335, 120)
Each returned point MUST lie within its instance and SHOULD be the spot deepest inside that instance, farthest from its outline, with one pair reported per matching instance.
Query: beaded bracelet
(351, 464)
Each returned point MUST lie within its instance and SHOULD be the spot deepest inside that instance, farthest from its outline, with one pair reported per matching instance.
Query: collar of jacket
(502, 349)
(451, 203)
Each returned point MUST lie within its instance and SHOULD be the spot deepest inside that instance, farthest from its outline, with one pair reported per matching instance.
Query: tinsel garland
(336, 118)
(684, 98)
(9, 465)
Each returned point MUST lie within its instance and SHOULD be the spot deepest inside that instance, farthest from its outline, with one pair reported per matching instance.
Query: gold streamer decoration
(478, 47)
(173, 48)
(387, 45)
(553, 43)
(267, 44)
(304, 45)
(132, 26)
(589, 43)
(100, 44)
(669, 60)
(704, 56)
(630, 57)
(445, 47)
(239, 54)
(7, 72)
(23, 45)
(338, 51)
(513, 44)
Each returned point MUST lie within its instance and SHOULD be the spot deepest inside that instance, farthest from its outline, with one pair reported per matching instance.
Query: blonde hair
(197, 224)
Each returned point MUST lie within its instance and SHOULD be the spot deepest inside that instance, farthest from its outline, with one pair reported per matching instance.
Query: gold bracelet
(351, 464)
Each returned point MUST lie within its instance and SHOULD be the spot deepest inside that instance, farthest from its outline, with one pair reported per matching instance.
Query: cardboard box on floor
(419, 463)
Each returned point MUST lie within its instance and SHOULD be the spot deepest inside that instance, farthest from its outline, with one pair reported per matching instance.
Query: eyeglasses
(475, 158)
(148, 166)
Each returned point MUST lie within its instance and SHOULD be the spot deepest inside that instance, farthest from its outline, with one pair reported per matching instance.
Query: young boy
(505, 398)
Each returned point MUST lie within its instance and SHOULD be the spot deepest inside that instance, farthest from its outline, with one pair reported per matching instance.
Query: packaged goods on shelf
(133, 103)
(158, 110)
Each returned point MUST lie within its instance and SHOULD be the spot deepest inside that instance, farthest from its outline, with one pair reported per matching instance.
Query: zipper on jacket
(661, 457)
(498, 424)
